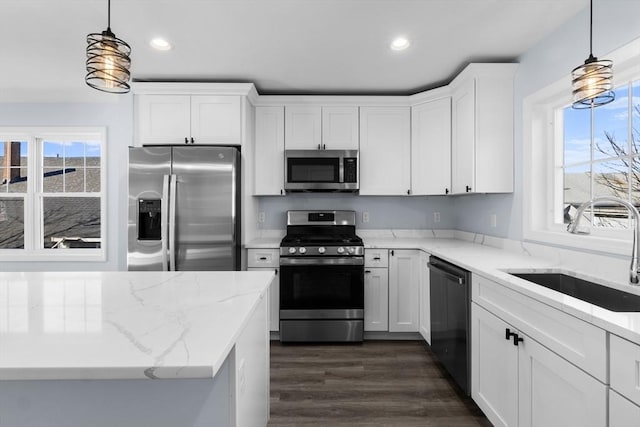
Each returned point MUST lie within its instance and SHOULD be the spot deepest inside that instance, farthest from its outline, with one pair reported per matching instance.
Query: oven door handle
(321, 261)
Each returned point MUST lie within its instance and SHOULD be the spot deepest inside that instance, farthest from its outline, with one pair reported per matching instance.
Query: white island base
(165, 324)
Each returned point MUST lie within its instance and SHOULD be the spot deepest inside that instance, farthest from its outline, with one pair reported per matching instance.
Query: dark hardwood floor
(377, 383)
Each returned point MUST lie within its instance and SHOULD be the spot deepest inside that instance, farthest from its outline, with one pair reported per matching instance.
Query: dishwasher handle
(450, 271)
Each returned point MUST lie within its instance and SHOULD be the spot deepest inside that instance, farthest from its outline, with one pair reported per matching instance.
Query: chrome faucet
(573, 228)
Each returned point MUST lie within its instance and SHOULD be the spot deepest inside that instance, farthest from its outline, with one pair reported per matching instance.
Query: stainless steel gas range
(321, 278)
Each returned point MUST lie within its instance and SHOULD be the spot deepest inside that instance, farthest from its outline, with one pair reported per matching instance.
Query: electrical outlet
(365, 216)
(436, 217)
(494, 220)
(261, 217)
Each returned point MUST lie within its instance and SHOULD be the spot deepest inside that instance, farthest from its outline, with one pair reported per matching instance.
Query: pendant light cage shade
(592, 83)
(108, 62)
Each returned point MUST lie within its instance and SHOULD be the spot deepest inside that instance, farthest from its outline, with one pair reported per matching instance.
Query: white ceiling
(283, 46)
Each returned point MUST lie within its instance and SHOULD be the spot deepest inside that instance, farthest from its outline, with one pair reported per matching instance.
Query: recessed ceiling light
(160, 44)
(400, 43)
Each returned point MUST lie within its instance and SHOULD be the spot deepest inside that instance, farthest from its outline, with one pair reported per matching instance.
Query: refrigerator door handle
(173, 179)
(164, 218)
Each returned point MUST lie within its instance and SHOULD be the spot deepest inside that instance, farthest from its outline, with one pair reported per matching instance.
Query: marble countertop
(494, 263)
(123, 325)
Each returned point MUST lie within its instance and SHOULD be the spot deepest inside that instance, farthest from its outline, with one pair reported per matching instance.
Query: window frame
(34, 249)
(543, 158)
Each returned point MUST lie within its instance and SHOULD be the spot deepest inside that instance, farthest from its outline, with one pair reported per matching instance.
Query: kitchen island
(134, 349)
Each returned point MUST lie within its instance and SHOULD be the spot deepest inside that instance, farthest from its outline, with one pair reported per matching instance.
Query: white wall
(116, 115)
(616, 23)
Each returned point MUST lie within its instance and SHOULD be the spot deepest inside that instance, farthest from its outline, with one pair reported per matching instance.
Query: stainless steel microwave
(321, 170)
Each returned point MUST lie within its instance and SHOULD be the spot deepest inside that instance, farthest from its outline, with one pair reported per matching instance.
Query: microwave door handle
(164, 221)
(172, 222)
(341, 169)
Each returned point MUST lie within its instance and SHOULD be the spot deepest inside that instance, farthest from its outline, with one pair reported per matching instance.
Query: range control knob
(351, 249)
(302, 250)
(321, 250)
(292, 250)
(340, 250)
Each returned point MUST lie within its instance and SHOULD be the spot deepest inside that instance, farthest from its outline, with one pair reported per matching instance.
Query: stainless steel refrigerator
(184, 207)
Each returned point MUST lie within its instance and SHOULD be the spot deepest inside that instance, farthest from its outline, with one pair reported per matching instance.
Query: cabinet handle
(408, 191)
(446, 191)
(186, 140)
(392, 252)
(276, 270)
(468, 188)
(508, 334)
(517, 339)
(192, 141)
(376, 258)
(367, 271)
(324, 146)
(318, 146)
(263, 258)
(281, 191)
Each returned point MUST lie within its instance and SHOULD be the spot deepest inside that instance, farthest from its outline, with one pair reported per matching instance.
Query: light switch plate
(436, 217)
(365, 216)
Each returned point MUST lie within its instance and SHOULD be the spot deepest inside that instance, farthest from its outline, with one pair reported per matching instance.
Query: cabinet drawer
(376, 258)
(625, 368)
(263, 257)
(577, 341)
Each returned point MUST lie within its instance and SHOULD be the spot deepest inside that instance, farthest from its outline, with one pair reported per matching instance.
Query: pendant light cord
(109, 15)
(590, 29)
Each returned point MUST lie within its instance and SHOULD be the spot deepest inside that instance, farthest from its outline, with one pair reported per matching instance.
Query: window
(570, 156)
(52, 194)
(601, 157)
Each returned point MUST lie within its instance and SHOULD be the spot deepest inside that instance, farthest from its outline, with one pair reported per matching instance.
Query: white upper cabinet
(340, 130)
(482, 129)
(385, 151)
(185, 119)
(321, 128)
(303, 127)
(431, 147)
(216, 119)
(269, 151)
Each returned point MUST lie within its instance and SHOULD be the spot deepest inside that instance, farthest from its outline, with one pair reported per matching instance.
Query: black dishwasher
(450, 317)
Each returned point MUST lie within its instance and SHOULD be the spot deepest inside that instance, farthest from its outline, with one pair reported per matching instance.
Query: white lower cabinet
(494, 368)
(404, 281)
(268, 260)
(527, 385)
(376, 299)
(624, 368)
(622, 412)
(376, 290)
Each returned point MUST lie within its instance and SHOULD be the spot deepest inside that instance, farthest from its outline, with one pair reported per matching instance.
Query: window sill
(55, 255)
(590, 243)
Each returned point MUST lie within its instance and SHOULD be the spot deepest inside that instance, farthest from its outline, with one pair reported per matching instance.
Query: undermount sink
(602, 296)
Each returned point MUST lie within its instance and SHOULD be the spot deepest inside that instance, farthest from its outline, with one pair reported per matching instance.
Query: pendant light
(592, 82)
(108, 60)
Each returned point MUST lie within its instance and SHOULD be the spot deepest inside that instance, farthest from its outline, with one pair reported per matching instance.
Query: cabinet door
(162, 119)
(404, 280)
(622, 413)
(303, 128)
(385, 151)
(376, 299)
(216, 120)
(340, 128)
(494, 368)
(463, 138)
(431, 148)
(425, 299)
(274, 299)
(269, 151)
(553, 392)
